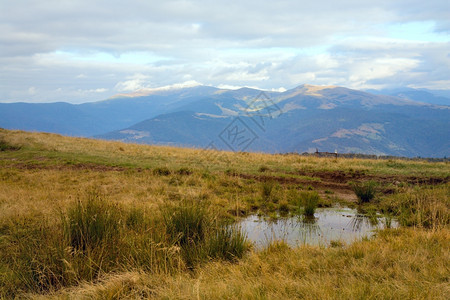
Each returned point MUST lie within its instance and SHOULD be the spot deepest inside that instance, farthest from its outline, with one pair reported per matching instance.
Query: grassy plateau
(89, 219)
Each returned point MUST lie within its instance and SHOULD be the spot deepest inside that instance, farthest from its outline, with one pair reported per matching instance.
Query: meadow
(83, 218)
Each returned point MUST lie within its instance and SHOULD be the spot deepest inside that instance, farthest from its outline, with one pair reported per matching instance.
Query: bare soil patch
(78, 166)
(338, 181)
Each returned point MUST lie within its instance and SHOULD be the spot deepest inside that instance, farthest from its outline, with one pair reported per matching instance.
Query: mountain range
(327, 118)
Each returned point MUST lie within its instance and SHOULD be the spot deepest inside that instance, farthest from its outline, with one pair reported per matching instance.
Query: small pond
(329, 224)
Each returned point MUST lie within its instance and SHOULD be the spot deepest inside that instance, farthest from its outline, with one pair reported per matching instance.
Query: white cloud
(186, 84)
(229, 87)
(32, 90)
(281, 89)
(190, 83)
(99, 90)
(104, 47)
(133, 83)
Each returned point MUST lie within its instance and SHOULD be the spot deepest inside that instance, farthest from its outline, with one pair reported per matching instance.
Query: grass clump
(189, 225)
(228, 243)
(263, 169)
(93, 237)
(92, 222)
(283, 207)
(184, 171)
(336, 244)
(267, 193)
(186, 223)
(365, 191)
(427, 207)
(135, 218)
(267, 188)
(309, 201)
(5, 146)
(33, 259)
(44, 256)
(231, 172)
(161, 171)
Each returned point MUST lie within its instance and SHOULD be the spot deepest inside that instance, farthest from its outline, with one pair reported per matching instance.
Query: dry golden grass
(399, 264)
(116, 153)
(42, 180)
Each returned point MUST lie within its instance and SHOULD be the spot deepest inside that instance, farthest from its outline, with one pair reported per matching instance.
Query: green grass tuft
(420, 207)
(365, 191)
(190, 226)
(309, 201)
(228, 243)
(184, 171)
(263, 169)
(161, 171)
(91, 222)
(267, 189)
(185, 223)
(5, 146)
(135, 218)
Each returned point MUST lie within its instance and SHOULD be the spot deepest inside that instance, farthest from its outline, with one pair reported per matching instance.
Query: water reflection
(328, 224)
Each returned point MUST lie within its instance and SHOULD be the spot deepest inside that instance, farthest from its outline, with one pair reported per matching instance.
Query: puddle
(329, 224)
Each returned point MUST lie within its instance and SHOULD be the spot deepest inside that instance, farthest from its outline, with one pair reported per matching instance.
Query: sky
(80, 51)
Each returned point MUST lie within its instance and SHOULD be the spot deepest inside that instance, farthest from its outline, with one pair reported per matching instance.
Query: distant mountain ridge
(93, 118)
(419, 95)
(301, 119)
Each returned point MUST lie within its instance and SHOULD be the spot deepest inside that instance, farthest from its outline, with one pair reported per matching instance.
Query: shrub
(365, 191)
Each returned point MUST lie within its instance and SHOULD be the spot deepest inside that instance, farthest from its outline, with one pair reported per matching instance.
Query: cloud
(100, 90)
(86, 46)
(133, 83)
(139, 82)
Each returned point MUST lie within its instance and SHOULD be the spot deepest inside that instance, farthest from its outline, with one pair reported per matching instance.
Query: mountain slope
(422, 95)
(97, 117)
(302, 119)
